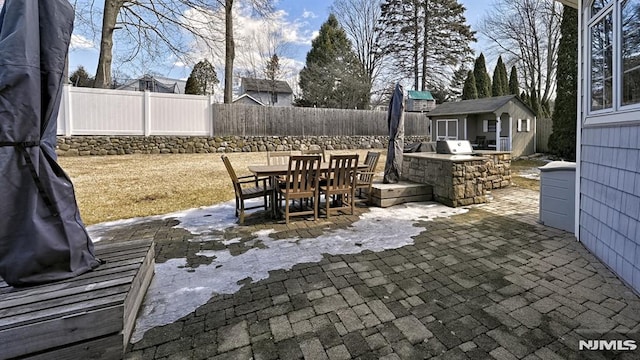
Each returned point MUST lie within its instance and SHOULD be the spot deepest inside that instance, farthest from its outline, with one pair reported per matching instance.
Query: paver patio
(491, 283)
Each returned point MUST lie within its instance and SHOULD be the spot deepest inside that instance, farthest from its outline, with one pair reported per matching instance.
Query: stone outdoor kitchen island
(459, 180)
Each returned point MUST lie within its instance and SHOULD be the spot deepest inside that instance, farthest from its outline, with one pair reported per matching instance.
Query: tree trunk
(229, 52)
(416, 48)
(103, 73)
(425, 46)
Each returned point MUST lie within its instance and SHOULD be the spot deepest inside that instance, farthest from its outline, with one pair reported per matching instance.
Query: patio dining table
(273, 171)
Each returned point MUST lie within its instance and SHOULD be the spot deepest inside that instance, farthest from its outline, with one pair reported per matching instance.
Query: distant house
(484, 121)
(155, 84)
(420, 101)
(607, 199)
(246, 99)
(268, 92)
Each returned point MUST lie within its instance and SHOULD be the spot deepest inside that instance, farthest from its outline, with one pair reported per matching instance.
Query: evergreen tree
(333, 76)
(272, 69)
(457, 82)
(562, 141)
(272, 72)
(426, 39)
(483, 81)
(202, 80)
(500, 84)
(534, 103)
(81, 78)
(514, 86)
(469, 91)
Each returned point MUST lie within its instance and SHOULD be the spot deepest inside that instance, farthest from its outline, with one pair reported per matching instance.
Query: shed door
(447, 129)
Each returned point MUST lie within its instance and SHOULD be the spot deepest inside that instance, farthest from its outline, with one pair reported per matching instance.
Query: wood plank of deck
(82, 317)
(385, 195)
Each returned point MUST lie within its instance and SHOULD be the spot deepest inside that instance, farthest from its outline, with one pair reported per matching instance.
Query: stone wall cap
(445, 157)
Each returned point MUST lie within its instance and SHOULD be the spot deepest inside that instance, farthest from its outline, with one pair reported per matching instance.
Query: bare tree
(151, 29)
(144, 31)
(257, 47)
(262, 7)
(361, 19)
(527, 33)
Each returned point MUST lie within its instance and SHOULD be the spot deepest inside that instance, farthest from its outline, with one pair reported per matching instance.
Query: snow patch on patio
(177, 290)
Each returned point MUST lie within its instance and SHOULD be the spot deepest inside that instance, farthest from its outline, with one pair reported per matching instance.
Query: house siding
(265, 98)
(610, 198)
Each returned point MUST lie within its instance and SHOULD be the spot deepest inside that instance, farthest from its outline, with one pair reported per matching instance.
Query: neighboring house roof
(266, 85)
(420, 95)
(476, 106)
(248, 98)
(160, 84)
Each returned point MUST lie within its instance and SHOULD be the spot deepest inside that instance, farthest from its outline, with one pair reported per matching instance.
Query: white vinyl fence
(85, 111)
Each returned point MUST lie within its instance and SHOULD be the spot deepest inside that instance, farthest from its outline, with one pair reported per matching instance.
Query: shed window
(524, 125)
(447, 129)
(489, 126)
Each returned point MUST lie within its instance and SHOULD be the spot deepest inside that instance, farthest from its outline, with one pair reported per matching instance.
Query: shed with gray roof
(483, 121)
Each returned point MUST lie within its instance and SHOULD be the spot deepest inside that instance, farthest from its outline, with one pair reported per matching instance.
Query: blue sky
(298, 19)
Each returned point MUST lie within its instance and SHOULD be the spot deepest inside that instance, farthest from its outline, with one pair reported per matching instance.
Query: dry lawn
(120, 187)
(524, 165)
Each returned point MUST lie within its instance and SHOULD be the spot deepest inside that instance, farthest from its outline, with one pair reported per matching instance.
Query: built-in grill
(457, 147)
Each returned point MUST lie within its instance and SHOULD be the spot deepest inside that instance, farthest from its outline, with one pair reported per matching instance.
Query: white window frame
(524, 125)
(485, 126)
(446, 135)
(617, 113)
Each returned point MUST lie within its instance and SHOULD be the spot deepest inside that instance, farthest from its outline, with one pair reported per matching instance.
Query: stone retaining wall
(121, 145)
(459, 182)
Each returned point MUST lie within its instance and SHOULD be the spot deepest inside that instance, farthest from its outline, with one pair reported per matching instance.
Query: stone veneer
(459, 180)
(121, 145)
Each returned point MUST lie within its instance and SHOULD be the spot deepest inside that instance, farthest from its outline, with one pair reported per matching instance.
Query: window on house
(598, 5)
(602, 63)
(146, 85)
(613, 35)
(524, 125)
(447, 129)
(630, 52)
(489, 126)
(274, 98)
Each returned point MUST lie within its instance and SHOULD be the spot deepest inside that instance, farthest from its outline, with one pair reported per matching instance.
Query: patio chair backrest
(341, 171)
(315, 152)
(232, 173)
(302, 175)
(371, 160)
(278, 157)
(366, 177)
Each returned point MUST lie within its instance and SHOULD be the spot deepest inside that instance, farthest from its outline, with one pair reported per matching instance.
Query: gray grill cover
(42, 237)
(395, 121)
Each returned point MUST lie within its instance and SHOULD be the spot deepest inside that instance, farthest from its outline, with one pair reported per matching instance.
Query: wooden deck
(385, 195)
(88, 317)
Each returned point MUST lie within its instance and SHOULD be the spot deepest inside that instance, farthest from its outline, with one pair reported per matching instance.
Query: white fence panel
(106, 112)
(179, 115)
(62, 112)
